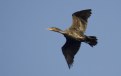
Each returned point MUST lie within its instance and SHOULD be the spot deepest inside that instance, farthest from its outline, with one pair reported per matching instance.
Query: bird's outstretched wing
(80, 20)
(69, 50)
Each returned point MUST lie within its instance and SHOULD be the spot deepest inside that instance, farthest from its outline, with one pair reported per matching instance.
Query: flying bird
(75, 35)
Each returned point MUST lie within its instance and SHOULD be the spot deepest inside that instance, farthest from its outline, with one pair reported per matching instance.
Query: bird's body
(75, 35)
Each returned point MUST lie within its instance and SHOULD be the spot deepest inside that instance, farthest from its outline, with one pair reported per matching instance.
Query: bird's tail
(91, 40)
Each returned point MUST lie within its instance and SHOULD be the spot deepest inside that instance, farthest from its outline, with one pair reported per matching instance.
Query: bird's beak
(49, 29)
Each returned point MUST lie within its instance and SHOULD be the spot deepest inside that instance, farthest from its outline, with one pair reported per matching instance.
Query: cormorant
(75, 35)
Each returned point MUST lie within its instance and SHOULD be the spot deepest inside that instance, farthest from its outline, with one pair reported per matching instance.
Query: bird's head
(54, 29)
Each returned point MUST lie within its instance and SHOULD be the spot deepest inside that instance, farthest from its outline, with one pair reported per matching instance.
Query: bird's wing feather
(69, 50)
(80, 19)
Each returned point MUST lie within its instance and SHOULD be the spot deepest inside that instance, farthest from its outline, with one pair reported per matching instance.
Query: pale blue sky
(28, 49)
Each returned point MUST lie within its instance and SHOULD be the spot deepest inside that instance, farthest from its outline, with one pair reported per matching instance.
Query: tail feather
(91, 40)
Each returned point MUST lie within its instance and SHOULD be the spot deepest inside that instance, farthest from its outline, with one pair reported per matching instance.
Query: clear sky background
(27, 48)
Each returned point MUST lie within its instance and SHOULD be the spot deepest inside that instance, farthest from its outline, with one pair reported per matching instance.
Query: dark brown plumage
(75, 35)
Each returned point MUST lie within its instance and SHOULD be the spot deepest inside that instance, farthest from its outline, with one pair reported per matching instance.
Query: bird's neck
(60, 31)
